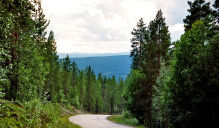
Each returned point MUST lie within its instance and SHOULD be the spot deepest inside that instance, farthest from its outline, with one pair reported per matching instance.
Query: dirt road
(95, 121)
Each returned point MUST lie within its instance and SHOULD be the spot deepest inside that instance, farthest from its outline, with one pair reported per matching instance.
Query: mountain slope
(109, 65)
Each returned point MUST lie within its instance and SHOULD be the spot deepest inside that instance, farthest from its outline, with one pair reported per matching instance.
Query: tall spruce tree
(66, 69)
(41, 24)
(74, 74)
(81, 87)
(51, 59)
(119, 96)
(88, 88)
(98, 97)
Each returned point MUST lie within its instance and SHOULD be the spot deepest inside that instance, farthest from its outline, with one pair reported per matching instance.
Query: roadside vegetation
(35, 114)
(66, 123)
(125, 119)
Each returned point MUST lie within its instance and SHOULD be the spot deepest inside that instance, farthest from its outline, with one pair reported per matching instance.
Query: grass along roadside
(121, 120)
(66, 123)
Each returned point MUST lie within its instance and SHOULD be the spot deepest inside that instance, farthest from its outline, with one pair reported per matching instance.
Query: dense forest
(171, 84)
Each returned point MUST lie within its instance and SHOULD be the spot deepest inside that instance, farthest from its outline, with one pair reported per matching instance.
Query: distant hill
(108, 65)
(82, 55)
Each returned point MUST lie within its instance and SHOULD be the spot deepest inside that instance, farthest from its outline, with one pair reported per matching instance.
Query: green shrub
(126, 121)
(33, 114)
(75, 101)
(126, 114)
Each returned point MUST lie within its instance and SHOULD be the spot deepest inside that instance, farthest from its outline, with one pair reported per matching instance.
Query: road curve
(95, 121)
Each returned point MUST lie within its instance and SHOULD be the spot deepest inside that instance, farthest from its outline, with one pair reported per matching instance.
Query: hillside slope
(109, 65)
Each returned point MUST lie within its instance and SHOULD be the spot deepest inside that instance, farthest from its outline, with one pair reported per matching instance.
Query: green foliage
(24, 50)
(95, 95)
(61, 96)
(32, 114)
(134, 99)
(126, 114)
(65, 123)
(81, 88)
(198, 10)
(126, 121)
(152, 43)
(31, 80)
(42, 114)
(75, 101)
(192, 86)
(137, 44)
(161, 97)
(99, 98)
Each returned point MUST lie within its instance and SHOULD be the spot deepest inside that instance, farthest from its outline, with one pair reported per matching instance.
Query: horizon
(85, 55)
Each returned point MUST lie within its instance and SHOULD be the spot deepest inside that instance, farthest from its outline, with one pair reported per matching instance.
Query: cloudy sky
(104, 26)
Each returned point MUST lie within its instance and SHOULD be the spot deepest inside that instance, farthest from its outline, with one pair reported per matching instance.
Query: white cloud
(93, 47)
(105, 25)
(176, 30)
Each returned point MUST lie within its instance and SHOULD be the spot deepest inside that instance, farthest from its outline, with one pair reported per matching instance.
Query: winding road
(95, 121)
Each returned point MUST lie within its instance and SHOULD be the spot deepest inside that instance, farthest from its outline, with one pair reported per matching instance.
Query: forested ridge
(119, 65)
(171, 84)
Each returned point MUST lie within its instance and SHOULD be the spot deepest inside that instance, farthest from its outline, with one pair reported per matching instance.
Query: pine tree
(103, 81)
(88, 88)
(66, 68)
(154, 49)
(74, 74)
(119, 96)
(93, 92)
(81, 87)
(51, 59)
(216, 11)
(99, 98)
(137, 43)
(113, 95)
(108, 94)
(198, 10)
(41, 24)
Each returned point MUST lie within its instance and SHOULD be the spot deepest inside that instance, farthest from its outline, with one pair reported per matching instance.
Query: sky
(104, 26)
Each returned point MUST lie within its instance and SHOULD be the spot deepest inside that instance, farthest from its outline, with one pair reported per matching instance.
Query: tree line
(82, 88)
(176, 84)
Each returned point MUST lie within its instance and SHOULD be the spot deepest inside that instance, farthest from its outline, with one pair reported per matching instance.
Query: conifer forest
(170, 84)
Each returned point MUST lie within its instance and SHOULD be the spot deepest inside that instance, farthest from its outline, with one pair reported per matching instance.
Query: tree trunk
(14, 76)
(66, 91)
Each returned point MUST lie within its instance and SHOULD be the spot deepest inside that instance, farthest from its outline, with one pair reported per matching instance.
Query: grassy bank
(34, 114)
(121, 120)
(66, 123)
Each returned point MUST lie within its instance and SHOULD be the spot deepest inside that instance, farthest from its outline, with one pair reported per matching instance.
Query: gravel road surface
(95, 121)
